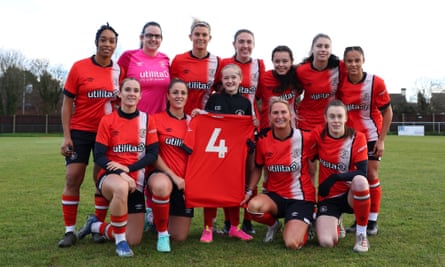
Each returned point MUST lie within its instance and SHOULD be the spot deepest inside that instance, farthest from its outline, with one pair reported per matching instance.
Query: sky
(403, 41)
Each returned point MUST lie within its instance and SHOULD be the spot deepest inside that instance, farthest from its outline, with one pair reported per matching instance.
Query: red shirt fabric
(364, 102)
(171, 134)
(215, 175)
(266, 91)
(93, 88)
(285, 164)
(319, 88)
(126, 140)
(338, 155)
(199, 74)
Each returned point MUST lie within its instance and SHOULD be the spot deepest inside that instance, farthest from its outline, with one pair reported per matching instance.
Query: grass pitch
(411, 221)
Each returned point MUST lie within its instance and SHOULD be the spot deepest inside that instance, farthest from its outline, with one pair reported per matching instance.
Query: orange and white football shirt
(338, 156)
(171, 134)
(364, 102)
(199, 75)
(319, 87)
(266, 91)
(93, 88)
(285, 164)
(126, 139)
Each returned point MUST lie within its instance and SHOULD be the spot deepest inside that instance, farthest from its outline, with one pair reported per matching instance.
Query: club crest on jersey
(239, 112)
(142, 133)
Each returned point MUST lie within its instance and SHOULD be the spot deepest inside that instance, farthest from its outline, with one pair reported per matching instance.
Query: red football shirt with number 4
(215, 175)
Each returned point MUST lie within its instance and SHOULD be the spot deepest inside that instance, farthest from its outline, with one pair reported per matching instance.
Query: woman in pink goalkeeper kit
(150, 67)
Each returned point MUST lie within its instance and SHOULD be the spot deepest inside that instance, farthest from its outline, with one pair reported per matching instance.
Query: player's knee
(327, 242)
(294, 244)
(359, 183)
(254, 205)
(160, 185)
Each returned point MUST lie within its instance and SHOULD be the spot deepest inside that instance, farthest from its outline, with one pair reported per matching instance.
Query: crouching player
(126, 144)
(282, 152)
(343, 187)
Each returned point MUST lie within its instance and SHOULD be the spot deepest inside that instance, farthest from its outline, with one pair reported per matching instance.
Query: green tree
(10, 90)
(50, 92)
(11, 80)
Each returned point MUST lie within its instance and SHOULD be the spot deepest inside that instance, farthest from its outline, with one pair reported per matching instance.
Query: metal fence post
(46, 123)
(13, 123)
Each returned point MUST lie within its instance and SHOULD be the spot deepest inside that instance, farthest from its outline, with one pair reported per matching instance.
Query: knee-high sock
(119, 226)
(265, 218)
(233, 215)
(209, 214)
(376, 195)
(362, 204)
(101, 207)
(147, 195)
(104, 229)
(69, 209)
(160, 207)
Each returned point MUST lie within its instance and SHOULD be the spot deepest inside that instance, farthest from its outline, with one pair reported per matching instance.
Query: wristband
(249, 192)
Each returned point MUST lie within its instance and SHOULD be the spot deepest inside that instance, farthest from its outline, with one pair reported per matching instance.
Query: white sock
(361, 230)
(95, 227)
(119, 237)
(164, 233)
(373, 216)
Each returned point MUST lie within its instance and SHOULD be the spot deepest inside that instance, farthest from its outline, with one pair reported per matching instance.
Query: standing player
(166, 183)
(320, 75)
(343, 187)
(91, 86)
(253, 70)
(197, 67)
(228, 101)
(126, 144)
(366, 99)
(150, 67)
(281, 81)
(282, 152)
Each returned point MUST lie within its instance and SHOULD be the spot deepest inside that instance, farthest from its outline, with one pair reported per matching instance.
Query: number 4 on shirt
(221, 149)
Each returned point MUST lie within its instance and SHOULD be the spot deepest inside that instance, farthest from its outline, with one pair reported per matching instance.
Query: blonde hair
(276, 99)
(233, 66)
(199, 23)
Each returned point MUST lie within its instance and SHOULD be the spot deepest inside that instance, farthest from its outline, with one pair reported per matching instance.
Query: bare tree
(38, 67)
(424, 86)
(9, 59)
